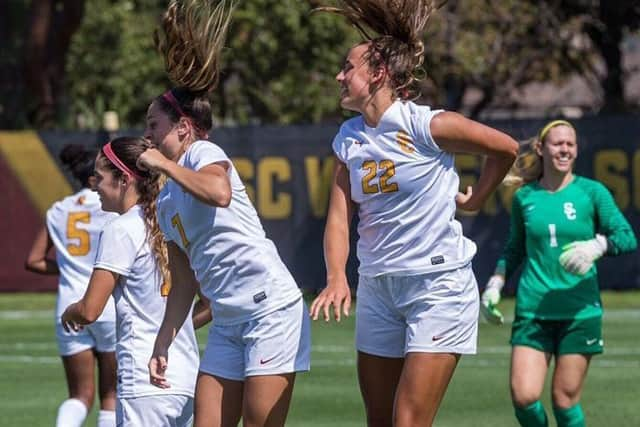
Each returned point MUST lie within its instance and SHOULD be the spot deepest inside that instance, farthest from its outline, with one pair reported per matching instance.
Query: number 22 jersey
(405, 188)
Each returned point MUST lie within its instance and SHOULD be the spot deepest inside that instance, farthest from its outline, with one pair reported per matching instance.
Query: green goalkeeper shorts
(581, 336)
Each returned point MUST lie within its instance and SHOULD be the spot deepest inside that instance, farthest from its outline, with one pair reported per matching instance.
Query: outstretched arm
(336, 248)
(183, 291)
(37, 260)
(456, 134)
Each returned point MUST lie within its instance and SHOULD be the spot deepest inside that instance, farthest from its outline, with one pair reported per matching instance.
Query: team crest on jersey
(404, 140)
(569, 211)
(81, 200)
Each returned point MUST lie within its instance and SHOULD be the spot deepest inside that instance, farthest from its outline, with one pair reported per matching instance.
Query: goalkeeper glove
(490, 298)
(578, 257)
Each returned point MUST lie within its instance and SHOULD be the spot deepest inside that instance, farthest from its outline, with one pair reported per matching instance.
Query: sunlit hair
(191, 39)
(528, 166)
(393, 29)
(79, 161)
(128, 150)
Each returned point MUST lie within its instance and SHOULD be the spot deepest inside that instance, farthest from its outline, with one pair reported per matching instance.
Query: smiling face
(108, 186)
(355, 79)
(162, 133)
(559, 150)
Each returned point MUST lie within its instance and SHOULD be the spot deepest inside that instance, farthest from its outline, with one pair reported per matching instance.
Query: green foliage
(281, 63)
(112, 63)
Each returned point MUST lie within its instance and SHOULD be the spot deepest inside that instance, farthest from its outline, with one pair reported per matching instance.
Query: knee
(564, 398)
(85, 396)
(523, 396)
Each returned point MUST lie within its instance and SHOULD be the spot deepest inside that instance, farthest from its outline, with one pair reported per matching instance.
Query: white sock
(106, 418)
(71, 413)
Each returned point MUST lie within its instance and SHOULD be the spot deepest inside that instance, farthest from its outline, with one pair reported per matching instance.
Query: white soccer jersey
(238, 268)
(405, 187)
(124, 249)
(74, 224)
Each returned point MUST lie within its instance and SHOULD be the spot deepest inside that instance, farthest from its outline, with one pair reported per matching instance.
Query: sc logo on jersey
(569, 211)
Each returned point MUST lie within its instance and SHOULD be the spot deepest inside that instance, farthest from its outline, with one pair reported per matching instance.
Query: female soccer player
(131, 264)
(73, 227)
(417, 303)
(561, 223)
(260, 333)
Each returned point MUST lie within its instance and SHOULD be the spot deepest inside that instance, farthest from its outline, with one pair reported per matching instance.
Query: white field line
(467, 362)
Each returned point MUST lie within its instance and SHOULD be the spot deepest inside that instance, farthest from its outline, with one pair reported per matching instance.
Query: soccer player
(561, 223)
(131, 264)
(73, 227)
(260, 334)
(417, 305)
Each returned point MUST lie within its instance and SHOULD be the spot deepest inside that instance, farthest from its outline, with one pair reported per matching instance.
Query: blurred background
(84, 71)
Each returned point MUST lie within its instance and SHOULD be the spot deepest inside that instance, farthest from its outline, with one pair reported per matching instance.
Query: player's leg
(107, 379)
(423, 383)
(75, 349)
(581, 339)
(104, 334)
(218, 401)
(266, 400)
(277, 346)
(79, 371)
(378, 378)
(568, 380)
(442, 324)
(380, 341)
(528, 370)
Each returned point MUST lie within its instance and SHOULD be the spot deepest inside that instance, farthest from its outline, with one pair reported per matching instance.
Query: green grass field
(32, 382)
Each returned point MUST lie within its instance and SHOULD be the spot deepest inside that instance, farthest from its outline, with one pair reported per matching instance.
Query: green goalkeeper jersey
(542, 222)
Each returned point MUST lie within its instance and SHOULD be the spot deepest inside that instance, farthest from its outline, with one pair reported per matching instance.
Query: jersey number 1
(553, 242)
(177, 223)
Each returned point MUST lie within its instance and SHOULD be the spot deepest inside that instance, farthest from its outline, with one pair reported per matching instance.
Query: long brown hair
(191, 39)
(128, 150)
(393, 29)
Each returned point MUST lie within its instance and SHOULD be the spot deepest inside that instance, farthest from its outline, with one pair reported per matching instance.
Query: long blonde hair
(528, 166)
(393, 29)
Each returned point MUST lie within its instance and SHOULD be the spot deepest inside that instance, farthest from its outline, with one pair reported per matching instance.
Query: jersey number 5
(389, 170)
(73, 232)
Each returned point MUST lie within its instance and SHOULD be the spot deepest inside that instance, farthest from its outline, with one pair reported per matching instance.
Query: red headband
(168, 96)
(108, 151)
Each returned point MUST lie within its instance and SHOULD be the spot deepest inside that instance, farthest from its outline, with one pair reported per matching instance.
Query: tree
(50, 27)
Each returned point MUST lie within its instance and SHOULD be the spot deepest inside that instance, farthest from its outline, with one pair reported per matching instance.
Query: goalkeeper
(561, 224)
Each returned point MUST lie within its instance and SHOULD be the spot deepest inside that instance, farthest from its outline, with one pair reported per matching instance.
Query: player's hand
(151, 159)
(490, 299)
(336, 294)
(157, 370)
(465, 201)
(578, 257)
(68, 323)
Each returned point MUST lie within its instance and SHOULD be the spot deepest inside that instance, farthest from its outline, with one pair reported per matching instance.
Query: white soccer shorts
(431, 313)
(159, 410)
(98, 335)
(277, 343)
